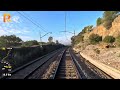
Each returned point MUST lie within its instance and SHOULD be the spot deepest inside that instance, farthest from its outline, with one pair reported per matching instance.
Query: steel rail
(60, 61)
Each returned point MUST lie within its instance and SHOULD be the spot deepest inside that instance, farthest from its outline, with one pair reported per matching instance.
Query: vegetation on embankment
(23, 52)
(21, 56)
(101, 43)
(105, 31)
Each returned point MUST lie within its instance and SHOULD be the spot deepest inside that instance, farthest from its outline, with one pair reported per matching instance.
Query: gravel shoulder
(108, 56)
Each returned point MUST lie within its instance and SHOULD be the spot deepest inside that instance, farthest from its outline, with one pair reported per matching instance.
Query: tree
(86, 29)
(79, 39)
(73, 40)
(30, 43)
(9, 41)
(2, 42)
(108, 17)
(43, 43)
(109, 39)
(57, 42)
(95, 38)
(50, 39)
(99, 21)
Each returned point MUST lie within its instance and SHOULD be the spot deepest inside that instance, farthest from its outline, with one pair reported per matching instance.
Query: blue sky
(51, 21)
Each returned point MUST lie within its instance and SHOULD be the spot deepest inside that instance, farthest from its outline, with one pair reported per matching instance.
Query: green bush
(108, 18)
(99, 21)
(109, 39)
(30, 43)
(95, 38)
(79, 39)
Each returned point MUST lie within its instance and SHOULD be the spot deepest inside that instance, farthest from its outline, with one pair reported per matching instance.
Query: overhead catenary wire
(31, 21)
(34, 20)
(27, 22)
(65, 26)
(16, 26)
(39, 25)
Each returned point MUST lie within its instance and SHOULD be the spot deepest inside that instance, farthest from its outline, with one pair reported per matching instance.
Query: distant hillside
(113, 31)
(101, 43)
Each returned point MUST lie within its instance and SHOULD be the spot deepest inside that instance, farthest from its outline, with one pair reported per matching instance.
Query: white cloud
(18, 31)
(9, 30)
(2, 32)
(1, 18)
(14, 31)
(25, 30)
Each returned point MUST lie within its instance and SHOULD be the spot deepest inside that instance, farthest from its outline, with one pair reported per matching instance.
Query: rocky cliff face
(113, 31)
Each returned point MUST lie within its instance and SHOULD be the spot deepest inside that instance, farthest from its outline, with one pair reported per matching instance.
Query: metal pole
(65, 21)
(74, 33)
(40, 39)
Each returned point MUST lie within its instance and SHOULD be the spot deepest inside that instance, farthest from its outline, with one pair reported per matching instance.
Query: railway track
(59, 64)
(25, 71)
(63, 68)
(69, 66)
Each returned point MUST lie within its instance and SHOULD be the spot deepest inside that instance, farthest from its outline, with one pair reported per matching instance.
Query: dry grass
(109, 56)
